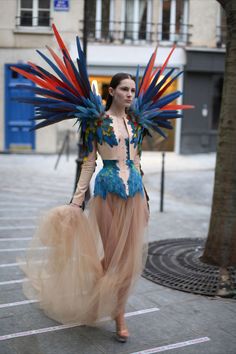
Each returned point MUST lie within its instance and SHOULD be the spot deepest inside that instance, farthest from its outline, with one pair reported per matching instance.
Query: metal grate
(175, 263)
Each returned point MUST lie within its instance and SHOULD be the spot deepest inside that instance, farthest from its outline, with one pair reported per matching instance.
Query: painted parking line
(9, 239)
(13, 281)
(61, 327)
(173, 346)
(13, 249)
(24, 227)
(18, 303)
(22, 249)
(26, 302)
(5, 265)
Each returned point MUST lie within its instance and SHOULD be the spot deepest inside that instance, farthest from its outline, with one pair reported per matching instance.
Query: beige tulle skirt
(82, 265)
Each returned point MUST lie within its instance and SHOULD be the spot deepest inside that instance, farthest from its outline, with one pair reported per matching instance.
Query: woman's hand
(81, 206)
(76, 205)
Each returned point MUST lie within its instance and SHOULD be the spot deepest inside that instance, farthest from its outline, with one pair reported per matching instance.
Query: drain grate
(175, 263)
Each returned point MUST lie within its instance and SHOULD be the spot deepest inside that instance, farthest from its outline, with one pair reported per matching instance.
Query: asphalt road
(159, 319)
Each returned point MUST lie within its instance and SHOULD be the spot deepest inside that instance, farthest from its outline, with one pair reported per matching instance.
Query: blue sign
(61, 5)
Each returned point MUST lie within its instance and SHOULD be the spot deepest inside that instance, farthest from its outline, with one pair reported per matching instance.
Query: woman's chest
(124, 149)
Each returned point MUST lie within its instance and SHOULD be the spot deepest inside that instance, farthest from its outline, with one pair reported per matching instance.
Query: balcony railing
(135, 32)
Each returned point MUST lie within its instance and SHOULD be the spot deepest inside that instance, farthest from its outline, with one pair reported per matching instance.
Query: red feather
(59, 62)
(167, 59)
(60, 41)
(174, 107)
(148, 75)
(35, 79)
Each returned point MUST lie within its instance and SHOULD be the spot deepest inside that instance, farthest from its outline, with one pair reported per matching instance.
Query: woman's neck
(117, 111)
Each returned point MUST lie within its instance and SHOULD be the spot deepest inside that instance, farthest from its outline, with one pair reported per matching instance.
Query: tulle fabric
(82, 265)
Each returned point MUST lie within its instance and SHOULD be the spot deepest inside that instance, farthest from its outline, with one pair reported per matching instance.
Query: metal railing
(135, 32)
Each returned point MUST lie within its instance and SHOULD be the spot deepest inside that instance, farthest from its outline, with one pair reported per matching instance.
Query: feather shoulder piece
(152, 109)
(67, 94)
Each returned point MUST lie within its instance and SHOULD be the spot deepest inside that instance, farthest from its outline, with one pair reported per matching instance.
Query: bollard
(162, 182)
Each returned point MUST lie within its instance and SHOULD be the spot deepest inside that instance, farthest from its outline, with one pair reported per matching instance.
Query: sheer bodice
(120, 173)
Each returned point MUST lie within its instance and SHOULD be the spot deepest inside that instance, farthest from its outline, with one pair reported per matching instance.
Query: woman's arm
(87, 170)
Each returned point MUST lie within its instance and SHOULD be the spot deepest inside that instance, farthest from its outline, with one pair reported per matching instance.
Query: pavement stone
(29, 186)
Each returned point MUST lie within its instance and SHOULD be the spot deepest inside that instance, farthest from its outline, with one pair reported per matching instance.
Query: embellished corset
(119, 177)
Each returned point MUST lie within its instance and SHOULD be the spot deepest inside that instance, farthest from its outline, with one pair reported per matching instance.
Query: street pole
(162, 182)
(79, 159)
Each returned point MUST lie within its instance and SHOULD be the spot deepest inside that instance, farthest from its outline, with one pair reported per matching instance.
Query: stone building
(121, 35)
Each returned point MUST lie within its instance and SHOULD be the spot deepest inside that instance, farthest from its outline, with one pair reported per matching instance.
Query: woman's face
(124, 93)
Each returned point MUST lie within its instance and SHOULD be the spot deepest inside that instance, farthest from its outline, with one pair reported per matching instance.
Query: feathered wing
(67, 94)
(151, 109)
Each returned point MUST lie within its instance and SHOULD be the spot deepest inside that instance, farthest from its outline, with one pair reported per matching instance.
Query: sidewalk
(159, 319)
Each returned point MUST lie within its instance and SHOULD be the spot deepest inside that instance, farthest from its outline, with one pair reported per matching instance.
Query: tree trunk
(220, 247)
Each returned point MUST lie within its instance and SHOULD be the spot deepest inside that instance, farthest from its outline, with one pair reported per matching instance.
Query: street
(159, 319)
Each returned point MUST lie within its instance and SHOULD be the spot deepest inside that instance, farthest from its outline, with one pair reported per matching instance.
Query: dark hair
(115, 81)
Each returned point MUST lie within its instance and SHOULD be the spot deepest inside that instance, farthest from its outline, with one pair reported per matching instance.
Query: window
(105, 18)
(92, 19)
(142, 19)
(129, 19)
(99, 21)
(174, 20)
(34, 13)
(166, 20)
(138, 19)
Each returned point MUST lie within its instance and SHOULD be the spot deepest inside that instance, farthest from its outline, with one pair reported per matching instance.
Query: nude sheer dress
(82, 265)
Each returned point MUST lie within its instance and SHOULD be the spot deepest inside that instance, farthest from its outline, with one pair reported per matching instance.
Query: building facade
(121, 34)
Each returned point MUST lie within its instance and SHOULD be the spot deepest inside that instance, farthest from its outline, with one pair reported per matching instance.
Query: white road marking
(9, 239)
(24, 227)
(13, 249)
(13, 281)
(61, 327)
(18, 303)
(21, 249)
(173, 346)
(141, 312)
(5, 265)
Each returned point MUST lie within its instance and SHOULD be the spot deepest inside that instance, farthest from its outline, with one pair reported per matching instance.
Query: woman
(92, 261)
(82, 265)
(119, 204)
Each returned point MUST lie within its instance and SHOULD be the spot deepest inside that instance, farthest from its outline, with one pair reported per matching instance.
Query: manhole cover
(175, 263)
